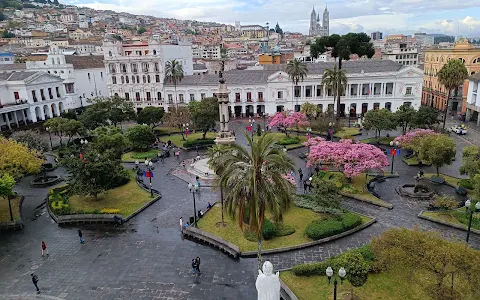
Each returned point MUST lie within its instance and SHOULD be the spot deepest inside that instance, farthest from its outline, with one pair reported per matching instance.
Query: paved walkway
(147, 258)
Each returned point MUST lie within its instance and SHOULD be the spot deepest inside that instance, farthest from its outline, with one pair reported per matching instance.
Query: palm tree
(337, 80)
(452, 75)
(174, 73)
(253, 177)
(297, 71)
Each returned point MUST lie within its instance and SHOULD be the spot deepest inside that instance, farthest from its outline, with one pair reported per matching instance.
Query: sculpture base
(225, 138)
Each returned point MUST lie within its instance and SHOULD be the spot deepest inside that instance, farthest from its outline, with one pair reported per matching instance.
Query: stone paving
(147, 257)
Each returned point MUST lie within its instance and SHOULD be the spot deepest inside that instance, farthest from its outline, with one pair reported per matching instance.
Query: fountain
(415, 191)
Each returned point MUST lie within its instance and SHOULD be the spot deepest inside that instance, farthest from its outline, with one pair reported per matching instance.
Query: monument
(268, 284)
(224, 136)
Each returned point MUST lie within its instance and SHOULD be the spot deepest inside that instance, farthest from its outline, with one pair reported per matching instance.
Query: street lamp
(194, 189)
(468, 208)
(393, 152)
(149, 166)
(341, 273)
(50, 136)
(137, 163)
(330, 131)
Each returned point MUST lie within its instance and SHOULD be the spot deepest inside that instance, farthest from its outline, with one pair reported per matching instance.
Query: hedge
(466, 184)
(319, 268)
(190, 144)
(320, 229)
(289, 141)
(270, 230)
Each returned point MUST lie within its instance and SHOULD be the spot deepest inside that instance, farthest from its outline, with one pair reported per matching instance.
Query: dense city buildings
(434, 94)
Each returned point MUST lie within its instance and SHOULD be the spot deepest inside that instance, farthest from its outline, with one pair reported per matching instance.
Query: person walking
(194, 266)
(80, 235)
(305, 187)
(198, 264)
(181, 224)
(300, 173)
(35, 281)
(44, 248)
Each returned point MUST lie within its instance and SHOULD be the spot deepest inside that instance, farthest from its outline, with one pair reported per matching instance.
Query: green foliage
(7, 183)
(141, 137)
(150, 115)
(191, 144)
(177, 117)
(379, 120)
(443, 39)
(259, 130)
(444, 203)
(65, 127)
(343, 46)
(323, 228)
(466, 183)
(109, 140)
(437, 150)
(404, 116)
(145, 155)
(289, 141)
(174, 73)
(296, 70)
(30, 139)
(425, 117)
(336, 80)
(106, 111)
(204, 113)
(357, 268)
(310, 110)
(7, 35)
(322, 124)
(471, 161)
(141, 30)
(464, 218)
(283, 230)
(268, 229)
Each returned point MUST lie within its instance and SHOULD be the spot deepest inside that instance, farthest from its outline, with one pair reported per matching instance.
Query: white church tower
(317, 28)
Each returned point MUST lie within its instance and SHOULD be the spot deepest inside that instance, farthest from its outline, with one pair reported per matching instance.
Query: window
(134, 68)
(260, 96)
(124, 68)
(88, 74)
(127, 96)
(112, 68)
(137, 96)
(409, 91)
(192, 97)
(148, 78)
(149, 96)
(138, 79)
(122, 80)
(157, 78)
(57, 89)
(114, 80)
(237, 97)
(50, 94)
(280, 95)
(180, 98)
(101, 75)
(170, 98)
(202, 96)
(154, 52)
(34, 96)
(159, 95)
(127, 79)
(157, 69)
(249, 96)
(68, 88)
(16, 95)
(145, 67)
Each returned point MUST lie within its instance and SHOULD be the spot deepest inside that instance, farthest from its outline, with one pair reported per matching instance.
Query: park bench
(213, 240)
(461, 190)
(437, 180)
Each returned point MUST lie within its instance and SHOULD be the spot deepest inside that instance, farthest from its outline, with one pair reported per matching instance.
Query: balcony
(14, 107)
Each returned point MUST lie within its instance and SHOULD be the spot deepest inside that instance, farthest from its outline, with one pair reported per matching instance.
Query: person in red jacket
(44, 248)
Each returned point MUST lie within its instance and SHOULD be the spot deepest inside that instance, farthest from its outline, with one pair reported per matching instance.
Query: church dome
(462, 44)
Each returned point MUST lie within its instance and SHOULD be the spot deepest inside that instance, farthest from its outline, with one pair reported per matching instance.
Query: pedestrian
(35, 281)
(305, 186)
(301, 176)
(194, 266)
(198, 264)
(44, 248)
(181, 224)
(80, 235)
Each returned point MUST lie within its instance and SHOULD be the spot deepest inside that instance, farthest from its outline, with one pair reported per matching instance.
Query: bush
(289, 141)
(59, 189)
(268, 230)
(283, 230)
(350, 189)
(145, 155)
(311, 269)
(205, 142)
(466, 184)
(119, 179)
(320, 229)
(444, 203)
(249, 235)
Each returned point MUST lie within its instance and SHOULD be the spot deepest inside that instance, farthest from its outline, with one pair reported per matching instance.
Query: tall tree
(335, 79)
(404, 116)
(109, 140)
(30, 139)
(310, 110)
(297, 71)
(17, 160)
(177, 118)
(451, 76)
(425, 117)
(150, 115)
(174, 73)
(105, 111)
(7, 183)
(140, 136)
(204, 113)
(343, 47)
(255, 181)
(379, 120)
(439, 150)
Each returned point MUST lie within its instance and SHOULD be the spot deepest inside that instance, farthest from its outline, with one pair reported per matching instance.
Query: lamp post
(471, 210)
(330, 131)
(194, 189)
(149, 165)
(393, 152)
(50, 136)
(341, 273)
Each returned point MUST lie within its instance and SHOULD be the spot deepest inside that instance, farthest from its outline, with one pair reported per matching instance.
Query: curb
(314, 243)
(464, 228)
(386, 205)
(285, 292)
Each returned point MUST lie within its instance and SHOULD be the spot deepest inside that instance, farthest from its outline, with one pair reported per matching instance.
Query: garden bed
(291, 142)
(382, 141)
(457, 218)
(178, 141)
(133, 156)
(298, 218)
(4, 211)
(161, 130)
(123, 200)
(449, 180)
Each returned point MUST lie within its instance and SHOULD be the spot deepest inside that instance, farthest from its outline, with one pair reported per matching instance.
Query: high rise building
(317, 28)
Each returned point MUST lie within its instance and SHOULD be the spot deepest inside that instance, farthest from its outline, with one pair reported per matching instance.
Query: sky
(453, 17)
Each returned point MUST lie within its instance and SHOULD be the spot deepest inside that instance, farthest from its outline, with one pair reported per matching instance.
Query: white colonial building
(473, 98)
(372, 84)
(29, 96)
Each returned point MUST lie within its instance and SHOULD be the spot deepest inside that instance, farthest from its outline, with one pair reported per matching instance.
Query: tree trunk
(446, 109)
(221, 199)
(338, 89)
(438, 173)
(205, 134)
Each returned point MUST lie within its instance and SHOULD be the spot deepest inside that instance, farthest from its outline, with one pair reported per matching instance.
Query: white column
(23, 117)
(15, 117)
(33, 116)
(8, 121)
(359, 89)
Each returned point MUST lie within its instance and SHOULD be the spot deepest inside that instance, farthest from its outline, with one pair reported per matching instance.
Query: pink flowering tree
(351, 157)
(289, 120)
(412, 140)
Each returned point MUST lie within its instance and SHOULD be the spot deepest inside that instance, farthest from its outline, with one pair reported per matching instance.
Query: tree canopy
(343, 46)
(381, 119)
(109, 140)
(471, 161)
(424, 117)
(310, 110)
(106, 111)
(404, 116)
(439, 150)
(141, 137)
(30, 139)
(16, 159)
(7, 183)
(204, 113)
(150, 115)
(296, 70)
(336, 80)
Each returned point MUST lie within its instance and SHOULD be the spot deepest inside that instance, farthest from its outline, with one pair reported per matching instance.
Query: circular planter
(418, 191)
(48, 181)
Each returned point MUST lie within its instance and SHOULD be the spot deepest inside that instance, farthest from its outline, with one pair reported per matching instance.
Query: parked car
(462, 130)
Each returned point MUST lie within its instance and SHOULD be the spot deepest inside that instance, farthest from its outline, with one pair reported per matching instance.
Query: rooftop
(17, 76)
(12, 67)
(85, 62)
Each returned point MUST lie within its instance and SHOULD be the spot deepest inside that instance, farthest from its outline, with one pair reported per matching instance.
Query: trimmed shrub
(121, 178)
(249, 235)
(311, 269)
(205, 142)
(466, 184)
(320, 229)
(289, 141)
(444, 203)
(268, 229)
(283, 230)
(350, 220)
(145, 155)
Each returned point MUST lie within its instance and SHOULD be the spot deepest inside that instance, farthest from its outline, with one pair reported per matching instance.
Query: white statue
(268, 284)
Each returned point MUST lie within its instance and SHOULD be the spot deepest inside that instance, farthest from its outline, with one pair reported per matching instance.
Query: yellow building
(269, 59)
(434, 94)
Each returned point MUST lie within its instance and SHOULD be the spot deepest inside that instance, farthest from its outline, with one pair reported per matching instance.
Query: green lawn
(298, 218)
(166, 130)
(127, 198)
(140, 156)
(452, 180)
(177, 139)
(4, 211)
(347, 132)
(383, 140)
(457, 217)
(278, 136)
